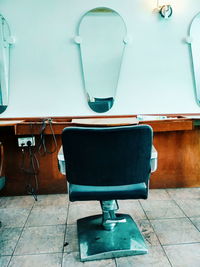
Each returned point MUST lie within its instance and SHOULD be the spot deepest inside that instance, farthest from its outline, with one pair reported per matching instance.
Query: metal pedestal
(97, 243)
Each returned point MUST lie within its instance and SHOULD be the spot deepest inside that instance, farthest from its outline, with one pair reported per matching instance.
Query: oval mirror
(195, 46)
(5, 40)
(101, 36)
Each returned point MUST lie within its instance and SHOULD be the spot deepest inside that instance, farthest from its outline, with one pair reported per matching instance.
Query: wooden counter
(177, 141)
(34, 127)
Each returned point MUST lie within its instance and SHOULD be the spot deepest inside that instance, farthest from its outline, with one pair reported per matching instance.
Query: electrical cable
(31, 170)
(31, 166)
(42, 144)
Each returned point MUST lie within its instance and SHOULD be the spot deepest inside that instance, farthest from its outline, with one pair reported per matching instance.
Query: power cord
(31, 168)
(42, 145)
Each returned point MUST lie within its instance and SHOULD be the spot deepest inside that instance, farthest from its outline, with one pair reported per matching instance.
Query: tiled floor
(33, 233)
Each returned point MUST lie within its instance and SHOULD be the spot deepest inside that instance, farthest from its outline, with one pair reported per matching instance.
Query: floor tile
(175, 231)
(44, 239)
(55, 200)
(148, 232)
(196, 222)
(187, 255)
(133, 208)
(71, 238)
(48, 260)
(191, 207)
(18, 201)
(8, 240)
(81, 209)
(158, 194)
(4, 260)
(73, 260)
(161, 209)
(155, 258)
(14, 217)
(184, 193)
(41, 215)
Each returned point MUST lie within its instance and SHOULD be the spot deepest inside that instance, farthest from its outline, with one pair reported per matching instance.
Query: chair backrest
(107, 156)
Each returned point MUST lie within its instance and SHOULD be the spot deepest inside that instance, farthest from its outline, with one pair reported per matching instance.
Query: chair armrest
(61, 161)
(154, 159)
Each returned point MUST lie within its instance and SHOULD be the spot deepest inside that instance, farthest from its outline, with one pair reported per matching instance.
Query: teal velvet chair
(107, 164)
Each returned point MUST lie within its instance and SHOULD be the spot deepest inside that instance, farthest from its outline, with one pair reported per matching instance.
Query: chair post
(109, 219)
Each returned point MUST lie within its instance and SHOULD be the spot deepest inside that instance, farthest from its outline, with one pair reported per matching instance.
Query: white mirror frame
(101, 100)
(5, 41)
(194, 41)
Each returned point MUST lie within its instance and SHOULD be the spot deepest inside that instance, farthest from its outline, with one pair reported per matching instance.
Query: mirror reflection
(4, 63)
(101, 36)
(195, 46)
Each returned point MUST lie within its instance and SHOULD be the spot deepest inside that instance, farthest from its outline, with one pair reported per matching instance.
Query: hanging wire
(31, 168)
(30, 163)
(42, 148)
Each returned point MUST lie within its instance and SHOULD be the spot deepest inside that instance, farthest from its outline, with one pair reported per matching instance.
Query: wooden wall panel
(178, 159)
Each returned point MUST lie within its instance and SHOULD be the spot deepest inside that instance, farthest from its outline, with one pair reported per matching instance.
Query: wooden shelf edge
(171, 125)
(35, 128)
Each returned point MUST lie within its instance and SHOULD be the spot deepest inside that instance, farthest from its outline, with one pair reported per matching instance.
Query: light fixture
(164, 9)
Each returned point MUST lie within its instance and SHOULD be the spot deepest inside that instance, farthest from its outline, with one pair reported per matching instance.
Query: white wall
(45, 73)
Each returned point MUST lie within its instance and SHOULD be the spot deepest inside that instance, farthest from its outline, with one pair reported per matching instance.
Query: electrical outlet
(26, 141)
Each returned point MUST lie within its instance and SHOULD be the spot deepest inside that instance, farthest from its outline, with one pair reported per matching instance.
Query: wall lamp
(164, 9)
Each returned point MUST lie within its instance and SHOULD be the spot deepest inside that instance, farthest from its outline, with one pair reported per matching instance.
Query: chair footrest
(96, 243)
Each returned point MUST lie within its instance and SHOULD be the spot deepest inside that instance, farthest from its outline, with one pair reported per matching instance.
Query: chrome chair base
(97, 243)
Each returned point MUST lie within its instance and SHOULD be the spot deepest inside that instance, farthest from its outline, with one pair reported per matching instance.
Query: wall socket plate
(24, 141)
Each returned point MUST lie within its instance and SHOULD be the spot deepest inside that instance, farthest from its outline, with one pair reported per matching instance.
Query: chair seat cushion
(84, 192)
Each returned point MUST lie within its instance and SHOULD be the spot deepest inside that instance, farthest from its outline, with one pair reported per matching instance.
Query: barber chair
(107, 164)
